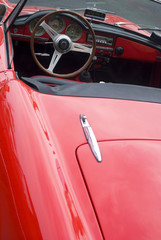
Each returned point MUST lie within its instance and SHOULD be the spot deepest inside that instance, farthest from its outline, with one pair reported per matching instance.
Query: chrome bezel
(78, 36)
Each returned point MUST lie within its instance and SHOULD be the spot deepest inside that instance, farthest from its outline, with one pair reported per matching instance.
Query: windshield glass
(141, 12)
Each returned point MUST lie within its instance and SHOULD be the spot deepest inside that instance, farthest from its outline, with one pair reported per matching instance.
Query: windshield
(141, 12)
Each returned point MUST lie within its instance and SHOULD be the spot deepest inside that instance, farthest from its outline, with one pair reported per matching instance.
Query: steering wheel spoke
(79, 47)
(50, 31)
(54, 60)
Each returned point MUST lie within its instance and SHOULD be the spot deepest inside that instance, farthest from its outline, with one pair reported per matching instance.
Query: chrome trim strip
(100, 47)
(122, 23)
(91, 139)
(28, 37)
(44, 41)
(105, 48)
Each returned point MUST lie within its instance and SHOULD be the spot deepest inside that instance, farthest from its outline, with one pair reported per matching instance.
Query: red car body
(51, 186)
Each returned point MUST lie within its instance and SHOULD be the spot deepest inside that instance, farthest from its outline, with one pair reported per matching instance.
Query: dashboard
(23, 28)
(109, 43)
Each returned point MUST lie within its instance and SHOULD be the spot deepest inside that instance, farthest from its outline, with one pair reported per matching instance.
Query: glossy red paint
(135, 51)
(125, 187)
(40, 161)
(112, 19)
(44, 155)
(41, 182)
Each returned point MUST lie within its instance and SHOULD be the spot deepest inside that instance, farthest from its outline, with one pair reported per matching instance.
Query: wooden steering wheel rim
(68, 75)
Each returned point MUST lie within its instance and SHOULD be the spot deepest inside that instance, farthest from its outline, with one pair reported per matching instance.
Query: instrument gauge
(74, 31)
(40, 31)
(57, 23)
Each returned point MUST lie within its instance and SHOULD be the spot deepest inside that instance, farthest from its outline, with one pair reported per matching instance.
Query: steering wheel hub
(63, 43)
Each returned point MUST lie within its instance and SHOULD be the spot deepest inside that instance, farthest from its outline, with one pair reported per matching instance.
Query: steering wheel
(63, 44)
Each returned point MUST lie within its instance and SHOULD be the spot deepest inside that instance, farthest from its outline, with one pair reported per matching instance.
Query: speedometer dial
(57, 23)
(74, 31)
(40, 31)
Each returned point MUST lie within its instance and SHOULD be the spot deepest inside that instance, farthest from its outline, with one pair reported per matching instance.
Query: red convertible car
(80, 124)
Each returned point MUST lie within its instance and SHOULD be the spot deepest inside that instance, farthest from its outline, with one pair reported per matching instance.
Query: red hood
(44, 175)
(125, 187)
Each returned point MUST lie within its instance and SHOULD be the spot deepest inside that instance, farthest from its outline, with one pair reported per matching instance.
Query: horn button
(63, 44)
